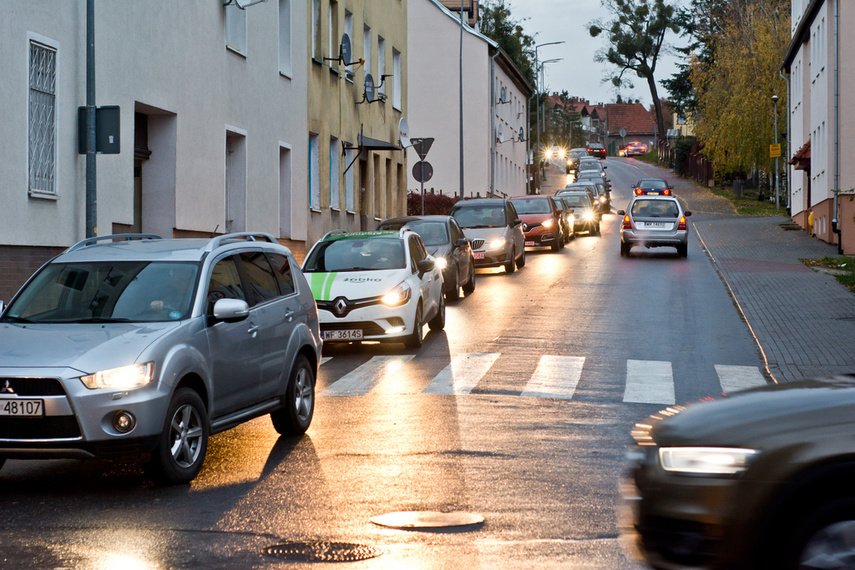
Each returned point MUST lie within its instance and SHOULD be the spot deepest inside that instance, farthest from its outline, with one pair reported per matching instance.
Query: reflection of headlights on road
(122, 378)
(397, 296)
(497, 243)
(589, 216)
(705, 460)
(548, 224)
(441, 263)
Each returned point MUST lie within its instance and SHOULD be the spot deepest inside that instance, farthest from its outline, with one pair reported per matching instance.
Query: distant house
(637, 124)
(593, 119)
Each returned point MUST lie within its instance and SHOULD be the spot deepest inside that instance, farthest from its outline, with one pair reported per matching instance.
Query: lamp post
(537, 89)
(777, 198)
(543, 82)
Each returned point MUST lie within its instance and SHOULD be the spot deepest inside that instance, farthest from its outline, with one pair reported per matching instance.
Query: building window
(349, 156)
(285, 37)
(396, 86)
(314, 172)
(333, 33)
(381, 64)
(334, 174)
(348, 29)
(366, 49)
(236, 28)
(316, 30)
(42, 118)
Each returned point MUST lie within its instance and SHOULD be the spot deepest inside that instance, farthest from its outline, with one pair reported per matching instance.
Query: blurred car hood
(486, 234)
(85, 347)
(746, 417)
(354, 284)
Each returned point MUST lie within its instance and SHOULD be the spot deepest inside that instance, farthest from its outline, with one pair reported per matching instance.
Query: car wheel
(823, 538)
(182, 444)
(521, 260)
(556, 247)
(597, 229)
(415, 338)
(437, 323)
(683, 250)
(624, 249)
(511, 265)
(470, 285)
(299, 401)
(453, 292)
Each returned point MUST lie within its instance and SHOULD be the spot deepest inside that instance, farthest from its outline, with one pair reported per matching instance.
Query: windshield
(115, 291)
(532, 206)
(652, 184)
(364, 254)
(480, 216)
(432, 233)
(655, 209)
(574, 201)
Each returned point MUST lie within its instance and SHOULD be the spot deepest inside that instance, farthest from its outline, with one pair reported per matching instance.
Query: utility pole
(91, 216)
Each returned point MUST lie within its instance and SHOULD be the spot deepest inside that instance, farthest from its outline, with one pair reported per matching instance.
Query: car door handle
(252, 329)
(289, 314)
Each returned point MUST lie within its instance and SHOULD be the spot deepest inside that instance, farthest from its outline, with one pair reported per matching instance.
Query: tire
(453, 293)
(511, 266)
(295, 416)
(437, 323)
(683, 250)
(469, 288)
(823, 533)
(624, 249)
(597, 229)
(183, 443)
(521, 260)
(556, 247)
(414, 340)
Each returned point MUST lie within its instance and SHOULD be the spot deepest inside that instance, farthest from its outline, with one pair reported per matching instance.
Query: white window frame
(285, 37)
(316, 30)
(397, 96)
(335, 174)
(47, 172)
(314, 172)
(381, 64)
(348, 29)
(236, 29)
(366, 49)
(349, 178)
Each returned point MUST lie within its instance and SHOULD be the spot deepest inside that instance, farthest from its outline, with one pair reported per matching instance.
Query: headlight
(548, 223)
(122, 378)
(441, 263)
(705, 460)
(589, 216)
(397, 296)
(497, 243)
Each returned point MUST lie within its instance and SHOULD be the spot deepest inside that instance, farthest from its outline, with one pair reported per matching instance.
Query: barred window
(42, 119)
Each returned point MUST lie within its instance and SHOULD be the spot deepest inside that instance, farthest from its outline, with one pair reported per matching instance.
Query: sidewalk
(803, 320)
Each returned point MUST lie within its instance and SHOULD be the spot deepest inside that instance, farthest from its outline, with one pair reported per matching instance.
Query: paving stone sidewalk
(803, 319)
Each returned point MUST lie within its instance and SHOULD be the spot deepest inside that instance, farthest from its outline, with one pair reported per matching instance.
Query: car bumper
(491, 258)
(654, 239)
(376, 323)
(540, 239)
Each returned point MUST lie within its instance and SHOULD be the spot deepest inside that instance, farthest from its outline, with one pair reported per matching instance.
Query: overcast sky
(578, 73)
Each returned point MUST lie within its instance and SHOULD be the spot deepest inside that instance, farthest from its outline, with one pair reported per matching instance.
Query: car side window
(512, 214)
(259, 275)
(282, 272)
(225, 283)
(456, 232)
(416, 254)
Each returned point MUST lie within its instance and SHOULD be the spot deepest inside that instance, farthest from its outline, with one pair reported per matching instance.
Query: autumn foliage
(435, 204)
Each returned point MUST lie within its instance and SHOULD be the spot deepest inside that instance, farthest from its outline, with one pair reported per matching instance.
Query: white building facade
(212, 105)
(495, 107)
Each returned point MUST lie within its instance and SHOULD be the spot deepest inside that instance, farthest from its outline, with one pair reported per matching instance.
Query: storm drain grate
(322, 551)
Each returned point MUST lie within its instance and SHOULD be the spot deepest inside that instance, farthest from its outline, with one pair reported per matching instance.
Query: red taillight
(666, 192)
(627, 225)
(638, 191)
(682, 224)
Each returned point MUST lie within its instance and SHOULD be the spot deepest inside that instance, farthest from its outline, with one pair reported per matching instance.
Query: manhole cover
(427, 519)
(322, 551)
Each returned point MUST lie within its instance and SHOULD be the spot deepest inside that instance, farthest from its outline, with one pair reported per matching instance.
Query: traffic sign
(422, 146)
(774, 150)
(422, 171)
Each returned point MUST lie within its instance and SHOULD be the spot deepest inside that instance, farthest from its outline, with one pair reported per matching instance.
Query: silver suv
(141, 347)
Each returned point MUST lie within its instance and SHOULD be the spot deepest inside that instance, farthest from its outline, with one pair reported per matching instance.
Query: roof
(632, 117)
(801, 160)
(480, 202)
(471, 6)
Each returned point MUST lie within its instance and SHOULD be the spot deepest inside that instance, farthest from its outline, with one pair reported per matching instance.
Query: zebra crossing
(556, 377)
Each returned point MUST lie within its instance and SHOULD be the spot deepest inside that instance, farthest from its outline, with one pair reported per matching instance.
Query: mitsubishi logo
(340, 306)
(7, 389)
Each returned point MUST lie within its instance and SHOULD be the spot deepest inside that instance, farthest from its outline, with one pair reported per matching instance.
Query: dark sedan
(445, 241)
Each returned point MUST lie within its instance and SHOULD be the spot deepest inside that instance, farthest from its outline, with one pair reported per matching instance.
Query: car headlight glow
(589, 216)
(441, 263)
(706, 460)
(497, 243)
(549, 223)
(397, 296)
(122, 378)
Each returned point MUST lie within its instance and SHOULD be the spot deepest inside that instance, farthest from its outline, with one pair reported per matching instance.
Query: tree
(496, 23)
(635, 37)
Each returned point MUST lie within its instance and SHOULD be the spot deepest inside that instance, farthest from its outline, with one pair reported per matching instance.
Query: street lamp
(543, 82)
(536, 87)
(777, 158)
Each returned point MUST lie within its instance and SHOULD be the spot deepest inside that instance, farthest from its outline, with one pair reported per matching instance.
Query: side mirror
(621, 212)
(426, 265)
(462, 242)
(231, 310)
(517, 221)
(687, 213)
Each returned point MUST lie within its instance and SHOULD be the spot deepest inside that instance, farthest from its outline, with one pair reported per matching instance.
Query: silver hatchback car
(654, 221)
(133, 346)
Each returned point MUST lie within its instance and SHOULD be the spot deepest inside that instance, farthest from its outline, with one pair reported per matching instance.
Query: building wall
(170, 63)
(338, 109)
(799, 127)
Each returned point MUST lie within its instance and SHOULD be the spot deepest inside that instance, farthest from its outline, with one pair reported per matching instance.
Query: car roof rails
(334, 233)
(239, 237)
(114, 237)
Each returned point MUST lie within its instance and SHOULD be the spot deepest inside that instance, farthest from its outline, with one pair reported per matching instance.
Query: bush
(682, 149)
(435, 204)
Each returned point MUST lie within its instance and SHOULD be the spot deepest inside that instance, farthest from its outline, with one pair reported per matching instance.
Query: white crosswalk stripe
(649, 382)
(462, 375)
(557, 377)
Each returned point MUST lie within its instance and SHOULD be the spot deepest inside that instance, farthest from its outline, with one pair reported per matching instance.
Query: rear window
(652, 184)
(356, 255)
(482, 216)
(532, 206)
(655, 209)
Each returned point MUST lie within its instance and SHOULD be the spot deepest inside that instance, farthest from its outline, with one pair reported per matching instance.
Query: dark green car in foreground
(761, 478)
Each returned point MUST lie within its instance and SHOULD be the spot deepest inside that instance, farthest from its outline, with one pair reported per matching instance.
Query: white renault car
(375, 286)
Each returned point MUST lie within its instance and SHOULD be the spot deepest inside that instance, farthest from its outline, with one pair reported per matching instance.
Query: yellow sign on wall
(774, 150)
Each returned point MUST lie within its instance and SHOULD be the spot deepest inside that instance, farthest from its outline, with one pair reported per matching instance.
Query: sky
(578, 73)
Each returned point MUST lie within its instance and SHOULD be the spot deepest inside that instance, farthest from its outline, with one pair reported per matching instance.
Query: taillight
(638, 191)
(682, 224)
(666, 192)
(627, 225)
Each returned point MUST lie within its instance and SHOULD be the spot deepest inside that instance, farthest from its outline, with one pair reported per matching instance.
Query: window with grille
(42, 119)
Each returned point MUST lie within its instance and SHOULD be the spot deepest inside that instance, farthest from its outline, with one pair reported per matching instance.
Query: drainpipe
(493, 123)
(835, 226)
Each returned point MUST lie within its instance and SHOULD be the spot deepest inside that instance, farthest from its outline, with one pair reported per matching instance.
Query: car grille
(348, 305)
(48, 427)
(32, 386)
(477, 243)
(369, 328)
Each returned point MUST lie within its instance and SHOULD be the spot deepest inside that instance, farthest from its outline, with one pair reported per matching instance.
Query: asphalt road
(519, 412)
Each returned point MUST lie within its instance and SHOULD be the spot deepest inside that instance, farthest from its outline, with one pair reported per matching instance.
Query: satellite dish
(500, 133)
(504, 94)
(346, 49)
(404, 132)
(522, 134)
(369, 87)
